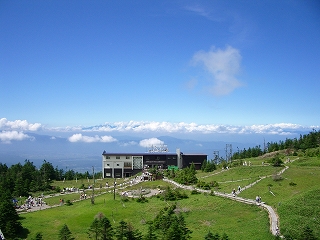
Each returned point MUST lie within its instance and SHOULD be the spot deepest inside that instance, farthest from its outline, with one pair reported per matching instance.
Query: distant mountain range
(81, 156)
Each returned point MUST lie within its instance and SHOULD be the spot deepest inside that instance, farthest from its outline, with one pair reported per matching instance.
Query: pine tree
(65, 233)
(133, 234)
(106, 229)
(94, 230)
(9, 218)
(121, 230)
(100, 228)
(150, 234)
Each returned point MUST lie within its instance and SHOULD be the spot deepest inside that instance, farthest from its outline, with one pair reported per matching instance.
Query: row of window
(117, 157)
(128, 157)
(125, 164)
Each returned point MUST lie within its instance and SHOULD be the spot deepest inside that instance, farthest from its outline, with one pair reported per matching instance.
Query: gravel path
(274, 219)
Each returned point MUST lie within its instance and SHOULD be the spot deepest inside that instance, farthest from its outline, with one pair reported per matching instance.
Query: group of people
(83, 196)
(234, 191)
(32, 202)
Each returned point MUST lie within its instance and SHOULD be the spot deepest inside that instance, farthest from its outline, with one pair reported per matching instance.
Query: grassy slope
(296, 205)
(203, 213)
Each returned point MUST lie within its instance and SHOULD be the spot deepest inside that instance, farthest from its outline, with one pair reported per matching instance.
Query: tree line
(307, 143)
(22, 179)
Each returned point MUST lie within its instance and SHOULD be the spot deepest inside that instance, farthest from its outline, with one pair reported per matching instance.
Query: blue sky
(168, 66)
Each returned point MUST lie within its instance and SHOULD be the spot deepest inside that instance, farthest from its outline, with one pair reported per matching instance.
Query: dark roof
(150, 154)
(138, 154)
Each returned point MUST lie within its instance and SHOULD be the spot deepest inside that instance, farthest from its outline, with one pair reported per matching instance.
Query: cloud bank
(8, 136)
(21, 125)
(182, 127)
(88, 139)
(223, 67)
(13, 130)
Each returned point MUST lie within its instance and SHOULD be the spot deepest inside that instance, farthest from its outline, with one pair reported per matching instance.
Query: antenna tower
(228, 152)
(216, 156)
(158, 148)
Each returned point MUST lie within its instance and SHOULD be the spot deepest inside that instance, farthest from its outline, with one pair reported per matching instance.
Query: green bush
(142, 199)
(194, 192)
(69, 203)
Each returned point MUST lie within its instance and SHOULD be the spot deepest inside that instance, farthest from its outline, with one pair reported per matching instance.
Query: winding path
(274, 219)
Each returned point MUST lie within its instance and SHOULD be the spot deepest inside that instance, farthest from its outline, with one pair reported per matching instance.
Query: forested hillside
(307, 145)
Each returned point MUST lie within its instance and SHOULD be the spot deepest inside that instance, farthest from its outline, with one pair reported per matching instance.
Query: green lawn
(202, 213)
(237, 176)
(295, 198)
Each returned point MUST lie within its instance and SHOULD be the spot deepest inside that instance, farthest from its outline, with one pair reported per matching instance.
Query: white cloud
(22, 125)
(150, 142)
(89, 139)
(223, 66)
(14, 130)
(8, 136)
(182, 127)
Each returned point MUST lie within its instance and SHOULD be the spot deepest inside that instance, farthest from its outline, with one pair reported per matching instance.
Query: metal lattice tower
(216, 157)
(228, 152)
(158, 148)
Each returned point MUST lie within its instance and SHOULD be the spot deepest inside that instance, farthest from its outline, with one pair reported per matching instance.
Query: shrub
(194, 192)
(69, 203)
(142, 199)
(173, 194)
(276, 161)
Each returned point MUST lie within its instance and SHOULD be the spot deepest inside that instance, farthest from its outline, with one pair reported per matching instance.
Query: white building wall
(115, 162)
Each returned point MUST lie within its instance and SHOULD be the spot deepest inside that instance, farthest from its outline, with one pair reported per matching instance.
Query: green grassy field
(202, 213)
(295, 198)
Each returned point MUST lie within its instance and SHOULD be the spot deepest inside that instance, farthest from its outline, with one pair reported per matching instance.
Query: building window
(117, 164)
(127, 157)
(127, 164)
(117, 157)
(108, 174)
(108, 164)
(107, 157)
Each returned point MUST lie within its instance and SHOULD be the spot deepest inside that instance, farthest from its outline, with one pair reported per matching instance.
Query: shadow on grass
(24, 232)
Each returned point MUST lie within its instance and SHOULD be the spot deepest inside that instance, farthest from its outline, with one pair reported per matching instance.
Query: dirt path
(274, 219)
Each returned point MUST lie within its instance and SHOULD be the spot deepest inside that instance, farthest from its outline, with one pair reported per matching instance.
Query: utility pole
(92, 197)
(114, 189)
